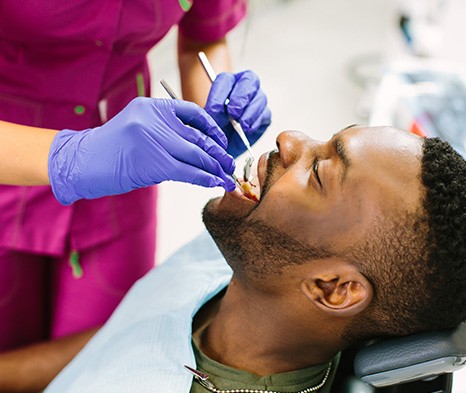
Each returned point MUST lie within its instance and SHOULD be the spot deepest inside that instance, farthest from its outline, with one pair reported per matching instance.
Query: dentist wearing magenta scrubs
(69, 252)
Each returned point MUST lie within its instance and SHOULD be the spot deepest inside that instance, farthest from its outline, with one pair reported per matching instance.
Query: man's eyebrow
(350, 126)
(343, 129)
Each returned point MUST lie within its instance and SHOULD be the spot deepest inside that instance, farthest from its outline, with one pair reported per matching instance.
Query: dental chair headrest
(421, 356)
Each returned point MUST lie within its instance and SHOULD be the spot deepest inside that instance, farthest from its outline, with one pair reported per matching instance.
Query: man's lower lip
(238, 193)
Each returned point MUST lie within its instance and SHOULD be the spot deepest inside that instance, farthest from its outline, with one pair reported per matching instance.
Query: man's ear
(340, 290)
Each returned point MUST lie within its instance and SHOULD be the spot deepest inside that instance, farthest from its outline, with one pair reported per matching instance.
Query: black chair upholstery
(417, 357)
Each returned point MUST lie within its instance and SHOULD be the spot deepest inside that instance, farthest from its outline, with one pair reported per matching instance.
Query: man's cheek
(281, 212)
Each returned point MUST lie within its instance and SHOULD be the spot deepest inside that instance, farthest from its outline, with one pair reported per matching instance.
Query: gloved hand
(148, 142)
(247, 104)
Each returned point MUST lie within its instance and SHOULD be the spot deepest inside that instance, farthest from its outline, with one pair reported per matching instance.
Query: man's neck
(247, 332)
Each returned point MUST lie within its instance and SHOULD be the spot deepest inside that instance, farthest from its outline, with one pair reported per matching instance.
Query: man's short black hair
(417, 260)
(444, 178)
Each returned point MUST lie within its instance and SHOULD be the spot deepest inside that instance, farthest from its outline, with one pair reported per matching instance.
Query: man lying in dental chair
(358, 237)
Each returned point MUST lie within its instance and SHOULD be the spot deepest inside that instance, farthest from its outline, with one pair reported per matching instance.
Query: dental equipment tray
(426, 98)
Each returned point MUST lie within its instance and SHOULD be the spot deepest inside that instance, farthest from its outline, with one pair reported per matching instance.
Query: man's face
(323, 196)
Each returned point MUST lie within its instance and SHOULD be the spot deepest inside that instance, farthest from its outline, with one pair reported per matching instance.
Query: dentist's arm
(24, 154)
(32, 368)
(195, 84)
(148, 142)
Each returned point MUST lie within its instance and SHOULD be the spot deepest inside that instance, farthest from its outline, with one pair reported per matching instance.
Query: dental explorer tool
(236, 125)
(168, 89)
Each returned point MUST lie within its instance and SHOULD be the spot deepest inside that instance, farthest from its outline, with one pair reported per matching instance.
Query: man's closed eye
(315, 168)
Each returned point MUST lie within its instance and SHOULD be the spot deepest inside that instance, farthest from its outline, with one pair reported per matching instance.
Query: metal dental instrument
(168, 89)
(173, 95)
(236, 125)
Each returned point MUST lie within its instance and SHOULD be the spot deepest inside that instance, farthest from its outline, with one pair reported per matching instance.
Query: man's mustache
(273, 159)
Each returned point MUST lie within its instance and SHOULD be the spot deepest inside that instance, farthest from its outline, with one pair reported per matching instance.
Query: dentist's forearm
(24, 154)
(32, 368)
(195, 84)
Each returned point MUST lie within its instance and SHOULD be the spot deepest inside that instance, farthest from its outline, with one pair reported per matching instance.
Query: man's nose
(292, 145)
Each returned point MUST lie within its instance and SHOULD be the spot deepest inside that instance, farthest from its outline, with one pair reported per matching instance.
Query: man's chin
(221, 222)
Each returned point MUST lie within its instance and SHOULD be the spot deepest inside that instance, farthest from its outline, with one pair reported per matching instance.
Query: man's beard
(255, 249)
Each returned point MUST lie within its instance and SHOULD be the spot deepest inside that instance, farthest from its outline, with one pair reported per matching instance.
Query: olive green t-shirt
(224, 377)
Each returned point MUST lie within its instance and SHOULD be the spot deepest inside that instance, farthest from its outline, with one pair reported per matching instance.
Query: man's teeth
(249, 191)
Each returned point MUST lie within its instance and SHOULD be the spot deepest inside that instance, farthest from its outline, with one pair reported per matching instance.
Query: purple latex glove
(148, 142)
(247, 104)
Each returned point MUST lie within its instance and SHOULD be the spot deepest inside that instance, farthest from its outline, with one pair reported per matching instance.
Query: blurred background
(320, 64)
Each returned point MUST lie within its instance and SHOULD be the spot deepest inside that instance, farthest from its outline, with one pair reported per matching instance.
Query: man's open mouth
(260, 178)
(250, 190)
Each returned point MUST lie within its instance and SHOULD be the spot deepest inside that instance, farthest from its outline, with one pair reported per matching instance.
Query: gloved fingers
(178, 170)
(261, 123)
(236, 146)
(219, 92)
(197, 149)
(257, 109)
(191, 114)
(194, 157)
(245, 89)
(169, 167)
(190, 174)
(206, 144)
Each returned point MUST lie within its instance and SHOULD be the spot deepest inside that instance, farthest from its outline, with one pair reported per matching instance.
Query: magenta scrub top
(74, 64)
